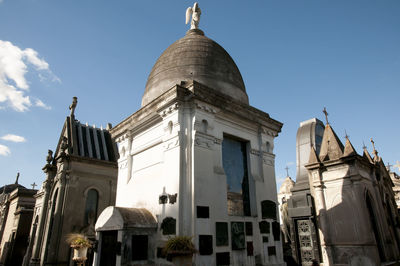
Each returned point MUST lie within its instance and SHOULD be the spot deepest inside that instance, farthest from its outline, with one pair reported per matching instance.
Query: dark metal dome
(195, 57)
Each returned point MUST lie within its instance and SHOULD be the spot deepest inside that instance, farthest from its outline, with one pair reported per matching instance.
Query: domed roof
(195, 57)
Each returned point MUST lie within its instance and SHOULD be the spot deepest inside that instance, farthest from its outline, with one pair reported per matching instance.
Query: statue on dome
(195, 11)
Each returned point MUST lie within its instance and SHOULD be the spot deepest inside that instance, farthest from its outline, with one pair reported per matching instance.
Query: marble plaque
(268, 209)
(221, 235)
(237, 235)
(264, 227)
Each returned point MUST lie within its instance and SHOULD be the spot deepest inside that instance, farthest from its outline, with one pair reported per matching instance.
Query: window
(234, 159)
(91, 206)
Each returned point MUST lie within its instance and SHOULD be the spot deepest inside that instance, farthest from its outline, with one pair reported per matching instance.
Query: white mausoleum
(196, 160)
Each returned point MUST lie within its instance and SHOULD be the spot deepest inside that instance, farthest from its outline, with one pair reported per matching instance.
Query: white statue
(195, 11)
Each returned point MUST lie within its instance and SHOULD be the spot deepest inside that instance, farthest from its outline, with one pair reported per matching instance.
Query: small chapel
(196, 160)
(341, 209)
(80, 182)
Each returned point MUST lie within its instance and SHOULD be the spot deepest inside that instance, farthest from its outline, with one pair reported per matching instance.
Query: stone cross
(73, 105)
(375, 152)
(346, 136)
(33, 185)
(326, 115)
(364, 147)
(287, 171)
(16, 180)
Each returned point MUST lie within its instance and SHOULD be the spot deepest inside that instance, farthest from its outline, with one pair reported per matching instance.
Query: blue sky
(295, 58)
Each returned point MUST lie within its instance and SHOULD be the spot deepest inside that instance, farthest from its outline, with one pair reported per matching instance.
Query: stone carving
(49, 156)
(123, 165)
(195, 11)
(172, 198)
(305, 242)
(206, 108)
(204, 142)
(64, 145)
(171, 144)
(163, 199)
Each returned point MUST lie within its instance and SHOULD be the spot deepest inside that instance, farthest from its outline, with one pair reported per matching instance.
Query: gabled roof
(331, 147)
(313, 156)
(86, 141)
(367, 156)
(349, 149)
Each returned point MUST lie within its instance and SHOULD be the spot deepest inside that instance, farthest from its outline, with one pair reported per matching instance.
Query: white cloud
(4, 150)
(13, 67)
(39, 103)
(13, 138)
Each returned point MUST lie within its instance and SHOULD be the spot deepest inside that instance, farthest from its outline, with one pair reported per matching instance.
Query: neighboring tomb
(16, 210)
(345, 212)
(81, 179)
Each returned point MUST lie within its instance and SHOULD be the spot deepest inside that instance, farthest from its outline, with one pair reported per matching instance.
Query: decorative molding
(123, 165)
(171, 144)
(206, 108)
(255, 152)
(268, 162)
(169, 110)
(123, 137)
(217, 141)
(204, 141)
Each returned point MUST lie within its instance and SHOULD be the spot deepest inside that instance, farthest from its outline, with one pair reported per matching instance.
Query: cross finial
(287, 170)
(373, 146)
(33, 185)
(73, 105)
(346, 136)
(364, 147)
(326, 115)
(16, 180)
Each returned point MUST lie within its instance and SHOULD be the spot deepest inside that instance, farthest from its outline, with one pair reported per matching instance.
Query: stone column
(52, 245)
(320, 209)
(50, 171)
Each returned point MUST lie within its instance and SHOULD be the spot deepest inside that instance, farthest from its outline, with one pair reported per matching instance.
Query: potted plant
(180, 250)
(80, 244)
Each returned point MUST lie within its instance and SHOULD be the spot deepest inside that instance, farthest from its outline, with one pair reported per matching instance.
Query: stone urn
(80, 244)
(80, 253)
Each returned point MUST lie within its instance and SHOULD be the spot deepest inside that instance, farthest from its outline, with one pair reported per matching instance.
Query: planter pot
(80, 254)
(182, 260)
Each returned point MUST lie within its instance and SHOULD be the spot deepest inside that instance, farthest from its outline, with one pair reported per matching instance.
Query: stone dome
(195, 57)
(286, 186)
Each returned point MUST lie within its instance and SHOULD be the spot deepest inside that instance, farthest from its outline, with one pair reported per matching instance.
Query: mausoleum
(195, 160)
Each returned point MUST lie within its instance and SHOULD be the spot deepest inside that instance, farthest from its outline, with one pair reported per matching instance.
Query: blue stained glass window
(234, 159)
